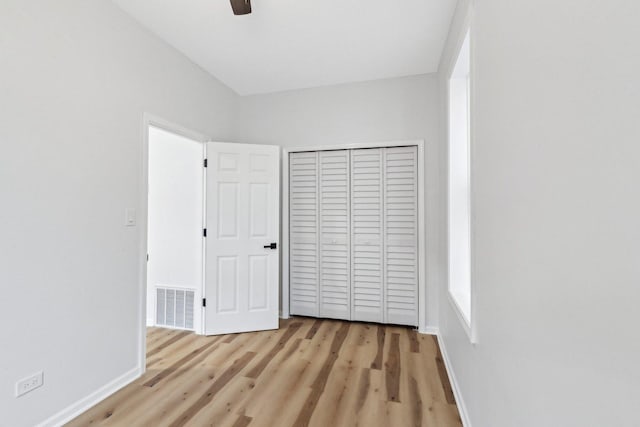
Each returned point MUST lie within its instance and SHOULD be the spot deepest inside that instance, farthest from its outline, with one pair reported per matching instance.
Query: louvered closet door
(303, 234)
(334, 235)
(401, 235)
(366, 235)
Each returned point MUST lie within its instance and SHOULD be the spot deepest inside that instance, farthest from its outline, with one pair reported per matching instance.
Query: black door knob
(271, 246)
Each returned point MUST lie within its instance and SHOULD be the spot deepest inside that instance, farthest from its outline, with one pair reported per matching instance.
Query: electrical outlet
(32, 382)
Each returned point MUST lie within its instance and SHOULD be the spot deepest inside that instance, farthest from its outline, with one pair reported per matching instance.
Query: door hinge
(204, 302)
(205, 163)
(204, 232)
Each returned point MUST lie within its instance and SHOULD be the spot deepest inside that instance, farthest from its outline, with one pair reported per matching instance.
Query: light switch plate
(130, 217)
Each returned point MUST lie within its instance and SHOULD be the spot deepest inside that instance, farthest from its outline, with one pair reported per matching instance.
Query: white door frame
(142, 220)
(422, 262)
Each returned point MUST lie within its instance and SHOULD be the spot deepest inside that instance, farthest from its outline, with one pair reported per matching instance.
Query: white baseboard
(150, 322)
(462, 408)
(77, 408)
(429, 330)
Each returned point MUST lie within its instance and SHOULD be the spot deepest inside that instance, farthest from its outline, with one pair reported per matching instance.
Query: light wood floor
(310, 372)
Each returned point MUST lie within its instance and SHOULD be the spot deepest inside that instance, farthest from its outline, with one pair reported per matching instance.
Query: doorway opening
(217, 281)
(214, 281)
(174, 230)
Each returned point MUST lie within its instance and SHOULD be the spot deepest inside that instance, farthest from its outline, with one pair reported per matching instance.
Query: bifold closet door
(366, 237)
(401, 235)
(354, 234)
(335, 257)
(304, 283)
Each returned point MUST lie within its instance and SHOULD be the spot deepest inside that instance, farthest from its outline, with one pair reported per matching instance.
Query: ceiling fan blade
(241, 7)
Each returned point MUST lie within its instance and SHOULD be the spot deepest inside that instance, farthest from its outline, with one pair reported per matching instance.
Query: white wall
(76, 77)
(381, 110)
(556, 208)
(175, 217)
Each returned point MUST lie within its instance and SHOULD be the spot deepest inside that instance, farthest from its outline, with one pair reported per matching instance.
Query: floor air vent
(174, 308)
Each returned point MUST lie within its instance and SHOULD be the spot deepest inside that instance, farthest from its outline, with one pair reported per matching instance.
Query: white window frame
(422, 283)
(463, 303)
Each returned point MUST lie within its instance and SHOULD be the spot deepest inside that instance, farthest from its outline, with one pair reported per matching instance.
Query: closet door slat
(303, 234)
(401, 235)
(367, 267)
(334, 234)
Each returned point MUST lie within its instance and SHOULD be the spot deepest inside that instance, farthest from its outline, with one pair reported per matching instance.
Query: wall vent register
(174, 308)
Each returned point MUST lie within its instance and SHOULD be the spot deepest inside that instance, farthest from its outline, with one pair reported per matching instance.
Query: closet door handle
(271, 246)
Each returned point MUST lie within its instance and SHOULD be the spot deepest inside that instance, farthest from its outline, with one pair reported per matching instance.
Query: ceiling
(293, 44)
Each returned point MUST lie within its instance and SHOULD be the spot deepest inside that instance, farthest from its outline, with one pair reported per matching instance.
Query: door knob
(271, 246)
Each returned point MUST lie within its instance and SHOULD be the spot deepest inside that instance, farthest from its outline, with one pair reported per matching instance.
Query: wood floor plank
(158, 336)
(242, 421)
(279, 395)
(318, 386)
(414, 387)
(368, 414)
(317, 350)
(310, 372)
(217, 385)
(429, 379)
(363, 389)
(179, 363)
(257, 369)
(170, 355)
(336, 403)
(175, 338)
(275, 383)
(392, 369)
(364, 333)
(277, 379)
(230, 338)
(377, 362)
(314, 329)
(219, 412)
(413, 340)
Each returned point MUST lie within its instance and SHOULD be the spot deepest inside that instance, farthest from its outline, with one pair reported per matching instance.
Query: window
(459, 184)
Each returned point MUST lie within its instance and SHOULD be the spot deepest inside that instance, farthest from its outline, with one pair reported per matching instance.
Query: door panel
(401, 231)
(335, 271)
(258, 282)
(227, 297)
(242, 277)
(227, 205)
(367, 232)
(303, 234)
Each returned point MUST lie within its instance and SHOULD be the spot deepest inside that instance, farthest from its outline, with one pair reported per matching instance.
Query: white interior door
(242, 270)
